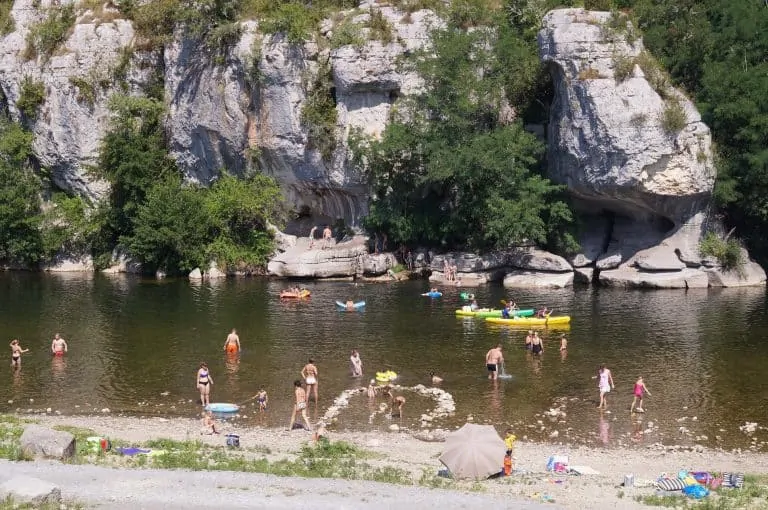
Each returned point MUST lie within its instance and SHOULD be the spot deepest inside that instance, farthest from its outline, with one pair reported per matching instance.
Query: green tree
(171, 228)
(239, 212)
(452, 170)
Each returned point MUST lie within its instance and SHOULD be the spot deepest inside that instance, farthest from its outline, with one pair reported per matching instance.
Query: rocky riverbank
(403, 451)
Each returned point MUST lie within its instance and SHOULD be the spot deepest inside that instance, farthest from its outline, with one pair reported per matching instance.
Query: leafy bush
(654, 74)
(472, 13)
(7, 25)
(379, 26)
(31, 97)
(293, 20)
(239, 212)
(346, 33)
(673, 117)
(598, 5)
(727, 252)
(44, 37)
(623, 67)
(69, 224)
(170, 228)
(319, 115)
(86, 92)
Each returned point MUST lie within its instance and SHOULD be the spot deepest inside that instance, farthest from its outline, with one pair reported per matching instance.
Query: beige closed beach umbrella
(474, 451)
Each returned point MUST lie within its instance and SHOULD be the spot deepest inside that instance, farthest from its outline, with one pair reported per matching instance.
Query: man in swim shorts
(232, 344)
(58, 346)
(492, 360)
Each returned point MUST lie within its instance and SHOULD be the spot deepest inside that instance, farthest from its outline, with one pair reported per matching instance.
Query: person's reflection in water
(563, 354)
(535, 364)
(232, 363)
(58, 367)
(637, 430)
(604, 430)
(494, 402)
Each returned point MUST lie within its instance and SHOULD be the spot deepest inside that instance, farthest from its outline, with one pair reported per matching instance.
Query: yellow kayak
(559, 320)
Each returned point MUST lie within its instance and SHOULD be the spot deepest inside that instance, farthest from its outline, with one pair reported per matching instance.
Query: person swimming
(350, 305)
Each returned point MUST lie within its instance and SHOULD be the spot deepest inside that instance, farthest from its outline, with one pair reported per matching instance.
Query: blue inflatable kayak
(359, 305)
(220, 407)
(433, 294)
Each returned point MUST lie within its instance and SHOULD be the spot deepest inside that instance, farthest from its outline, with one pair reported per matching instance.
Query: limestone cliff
(240, 112)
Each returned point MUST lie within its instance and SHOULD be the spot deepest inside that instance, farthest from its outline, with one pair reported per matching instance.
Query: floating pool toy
(287, 294)
(221, 407)
(387, 376)
(433, 294)
(358, 306)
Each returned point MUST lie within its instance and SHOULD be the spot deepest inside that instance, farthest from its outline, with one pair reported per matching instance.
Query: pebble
(105, 410)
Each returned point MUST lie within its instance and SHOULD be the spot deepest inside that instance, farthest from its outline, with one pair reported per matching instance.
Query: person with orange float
(232, 344)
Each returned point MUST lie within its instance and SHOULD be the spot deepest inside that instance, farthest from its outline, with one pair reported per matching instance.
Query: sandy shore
(530, 482)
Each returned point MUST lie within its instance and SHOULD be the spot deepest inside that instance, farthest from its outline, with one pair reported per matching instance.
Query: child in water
(639, 389)
(263, 399)
(372, 389)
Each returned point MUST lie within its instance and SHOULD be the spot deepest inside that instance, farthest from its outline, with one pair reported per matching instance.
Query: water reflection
(132, 340)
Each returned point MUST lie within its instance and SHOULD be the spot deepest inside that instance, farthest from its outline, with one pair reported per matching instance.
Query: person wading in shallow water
(232, 344)
(204, 383)
(58, 345)
(300, 406)
(492, 360)
(309, 373)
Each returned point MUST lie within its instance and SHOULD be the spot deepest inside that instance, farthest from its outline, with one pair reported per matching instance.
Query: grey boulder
(37, 441)
(28, 490)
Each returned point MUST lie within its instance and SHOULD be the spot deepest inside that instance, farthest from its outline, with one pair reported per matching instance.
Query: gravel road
(153, 489)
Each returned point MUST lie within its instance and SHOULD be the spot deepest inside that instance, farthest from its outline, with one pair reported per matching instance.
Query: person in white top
(605, 385)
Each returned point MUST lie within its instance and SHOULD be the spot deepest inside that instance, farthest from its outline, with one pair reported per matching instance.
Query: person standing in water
(529, 339)
(537, 344)
(309, 373)
(605, 384)
(563, 343)
(232, 344)
(639, 389)
(492, 359)
(16, 352)
(204, 382)
(356, 364)
(300, 406)
(58, 345)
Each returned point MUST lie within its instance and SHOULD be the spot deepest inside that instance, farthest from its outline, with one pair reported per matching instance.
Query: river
(135, 344)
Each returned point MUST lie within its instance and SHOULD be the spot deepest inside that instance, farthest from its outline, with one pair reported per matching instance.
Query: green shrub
(86, 92)
(319, 114)
(623, 67)
(727, 252)
(44, 37)
(31, 97)
(472, 13)
(654, 74)
(346, 33)
(379, 26)
(120, 71)
(7, 25)
(598, 5)
(673, 117)
(221, 39)
(294, 20)
(154, 21)
(69, 224)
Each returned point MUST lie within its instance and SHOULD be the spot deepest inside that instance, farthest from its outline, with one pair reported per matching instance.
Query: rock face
(240, 112)
(337, 261)
(643, 189)
(37, 441)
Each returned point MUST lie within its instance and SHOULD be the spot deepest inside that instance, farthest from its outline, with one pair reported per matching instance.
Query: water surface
(702, 353)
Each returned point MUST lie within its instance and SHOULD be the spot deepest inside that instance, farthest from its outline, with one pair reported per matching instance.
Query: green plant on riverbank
(11, 429)
(726, 251)
(10, 504)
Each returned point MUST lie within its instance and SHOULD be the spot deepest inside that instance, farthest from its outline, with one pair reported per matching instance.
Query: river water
(134, 347)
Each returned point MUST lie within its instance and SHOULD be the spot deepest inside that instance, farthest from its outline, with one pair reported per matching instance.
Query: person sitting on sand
(263, 399)
(209, 423)
(58, 345)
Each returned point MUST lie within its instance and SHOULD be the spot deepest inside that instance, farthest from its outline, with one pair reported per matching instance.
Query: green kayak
(485, 312)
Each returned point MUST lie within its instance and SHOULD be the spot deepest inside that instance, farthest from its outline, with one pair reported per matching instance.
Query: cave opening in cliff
(536, 112)
(333, 96)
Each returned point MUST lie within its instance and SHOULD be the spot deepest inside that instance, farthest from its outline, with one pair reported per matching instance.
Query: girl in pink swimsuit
(638, 390)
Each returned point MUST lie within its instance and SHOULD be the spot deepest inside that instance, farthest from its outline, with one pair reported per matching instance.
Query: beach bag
(696, 491)
(670, 484)
(233, 440)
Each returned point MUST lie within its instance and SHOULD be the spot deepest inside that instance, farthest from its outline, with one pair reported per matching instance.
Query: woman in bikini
(204, 383)
(300, 406)
(309, 373)
(16, 352)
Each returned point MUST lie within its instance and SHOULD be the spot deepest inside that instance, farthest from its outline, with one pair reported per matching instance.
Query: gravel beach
(530, 484)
